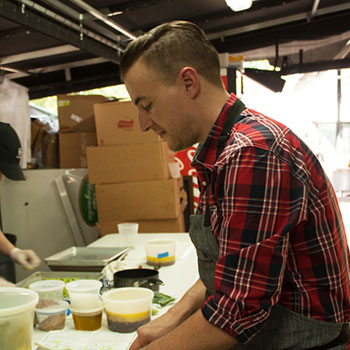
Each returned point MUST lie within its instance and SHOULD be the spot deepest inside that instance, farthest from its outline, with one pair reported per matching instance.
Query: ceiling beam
(316, 66)
(276, 21)
(43, 70)
(79, 84)
(27, 17)
(38, 54)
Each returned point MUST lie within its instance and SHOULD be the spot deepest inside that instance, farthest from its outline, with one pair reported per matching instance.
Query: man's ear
(190, 80)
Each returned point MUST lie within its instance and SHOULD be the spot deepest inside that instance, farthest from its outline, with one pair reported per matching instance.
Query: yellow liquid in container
(154, 261)
(87, 322)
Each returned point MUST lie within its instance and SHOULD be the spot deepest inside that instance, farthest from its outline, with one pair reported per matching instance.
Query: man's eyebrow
(138, 99)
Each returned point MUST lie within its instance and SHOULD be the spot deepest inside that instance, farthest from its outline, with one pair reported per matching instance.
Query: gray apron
(284, 329)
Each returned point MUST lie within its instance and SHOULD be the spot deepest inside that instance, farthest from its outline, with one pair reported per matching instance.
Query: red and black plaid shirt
(278, 226)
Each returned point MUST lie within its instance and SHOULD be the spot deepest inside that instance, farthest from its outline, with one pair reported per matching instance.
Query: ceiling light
(239, 5)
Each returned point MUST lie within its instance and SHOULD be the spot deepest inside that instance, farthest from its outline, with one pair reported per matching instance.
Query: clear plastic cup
(160, 252)
(128, 233)
(87, 320)
(84, 294)
(51, 314)
(48, 289)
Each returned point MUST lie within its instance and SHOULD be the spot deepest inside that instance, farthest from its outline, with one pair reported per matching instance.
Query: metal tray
(42, 275)
(84, 258)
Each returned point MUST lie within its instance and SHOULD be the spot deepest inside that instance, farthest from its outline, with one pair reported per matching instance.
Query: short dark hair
(169, 47)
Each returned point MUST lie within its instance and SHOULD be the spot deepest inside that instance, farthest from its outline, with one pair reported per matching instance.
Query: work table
(177, 278)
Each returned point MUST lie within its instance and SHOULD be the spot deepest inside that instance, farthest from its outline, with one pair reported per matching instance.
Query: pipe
(66, 22)
(314, 9)
(103, 18)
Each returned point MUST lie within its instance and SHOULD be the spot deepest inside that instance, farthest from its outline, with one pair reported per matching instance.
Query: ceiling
(54, 47)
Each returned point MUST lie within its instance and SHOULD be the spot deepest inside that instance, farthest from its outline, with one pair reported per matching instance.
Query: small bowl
(51, 314)
(48, 289)
(160, 252)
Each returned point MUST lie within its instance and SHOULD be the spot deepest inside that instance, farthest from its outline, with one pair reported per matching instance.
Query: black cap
(10, 153)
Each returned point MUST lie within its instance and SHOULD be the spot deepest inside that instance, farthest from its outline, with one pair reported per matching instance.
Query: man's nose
(144, 121)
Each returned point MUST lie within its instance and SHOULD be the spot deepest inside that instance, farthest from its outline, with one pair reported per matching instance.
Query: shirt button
(204, 183)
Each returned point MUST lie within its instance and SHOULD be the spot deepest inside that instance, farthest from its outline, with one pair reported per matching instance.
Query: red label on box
(125, 124)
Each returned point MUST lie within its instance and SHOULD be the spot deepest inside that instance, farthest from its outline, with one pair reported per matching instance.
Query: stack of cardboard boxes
(76, 128)
(130, 171)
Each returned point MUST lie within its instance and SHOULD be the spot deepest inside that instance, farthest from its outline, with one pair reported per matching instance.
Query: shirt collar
(206, 152)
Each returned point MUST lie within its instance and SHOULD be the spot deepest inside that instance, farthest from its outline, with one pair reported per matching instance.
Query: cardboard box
(72, 148)
(49, 151)
(73, 109)
(128, 163)
(117, 123)
(147, 226)
(146, 200)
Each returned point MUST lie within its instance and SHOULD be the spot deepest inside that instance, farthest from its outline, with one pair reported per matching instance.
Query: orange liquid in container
(88, 321)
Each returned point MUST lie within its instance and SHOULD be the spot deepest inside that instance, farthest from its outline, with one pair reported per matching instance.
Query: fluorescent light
(239, 5)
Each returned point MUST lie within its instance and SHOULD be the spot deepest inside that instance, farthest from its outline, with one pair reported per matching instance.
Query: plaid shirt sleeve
(257, 201)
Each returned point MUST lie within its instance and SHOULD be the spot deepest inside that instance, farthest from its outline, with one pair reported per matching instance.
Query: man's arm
(187, 306)
(194, 333)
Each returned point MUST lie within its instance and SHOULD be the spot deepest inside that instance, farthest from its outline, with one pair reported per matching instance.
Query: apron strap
(232, 117)
(234, 112)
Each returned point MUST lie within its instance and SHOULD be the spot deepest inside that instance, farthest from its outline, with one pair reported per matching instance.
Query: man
(272, 252)
(10, 155)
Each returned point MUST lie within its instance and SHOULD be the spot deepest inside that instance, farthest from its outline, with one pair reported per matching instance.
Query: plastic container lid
(15, 300)
(84, 286)
(128, 300)
(45, 286)
(87, 312)
(58, 307)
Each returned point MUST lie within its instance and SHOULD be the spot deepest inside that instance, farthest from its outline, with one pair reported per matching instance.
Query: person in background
(272, 251)
(10, 155)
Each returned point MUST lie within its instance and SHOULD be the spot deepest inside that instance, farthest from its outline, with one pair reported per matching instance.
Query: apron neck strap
(233, 113)
(232, 117)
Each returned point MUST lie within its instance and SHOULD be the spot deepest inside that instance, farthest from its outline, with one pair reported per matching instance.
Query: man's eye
(148, 107)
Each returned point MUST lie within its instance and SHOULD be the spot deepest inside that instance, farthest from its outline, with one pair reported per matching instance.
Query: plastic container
(127, 308)
(84, 294)
(160, 252)
(51, 314)
(87, 320)
(48, 289)
(128, 233)
(16, 317)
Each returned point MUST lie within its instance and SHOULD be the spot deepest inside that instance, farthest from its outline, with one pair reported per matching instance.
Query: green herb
(155, 311)
(162, 299)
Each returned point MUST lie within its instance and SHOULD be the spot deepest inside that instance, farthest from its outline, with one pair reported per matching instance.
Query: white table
(177, 278)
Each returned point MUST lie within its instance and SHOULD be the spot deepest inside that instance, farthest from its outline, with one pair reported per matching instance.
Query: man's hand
(26, 258)
(172, 319)
(154, 330)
